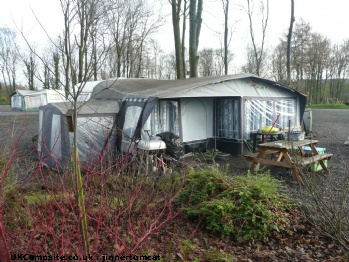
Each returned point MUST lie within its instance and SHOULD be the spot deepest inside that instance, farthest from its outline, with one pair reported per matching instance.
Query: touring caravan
(26, 100)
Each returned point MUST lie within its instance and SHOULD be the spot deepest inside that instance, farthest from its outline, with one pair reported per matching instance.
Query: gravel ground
(18, 127)
(330, 127)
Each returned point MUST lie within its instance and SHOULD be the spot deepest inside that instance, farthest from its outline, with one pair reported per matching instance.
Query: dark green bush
(4, 100)
(202, 184)
(244, 207)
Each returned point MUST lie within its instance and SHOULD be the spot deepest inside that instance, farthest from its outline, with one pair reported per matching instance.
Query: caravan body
(27, 100)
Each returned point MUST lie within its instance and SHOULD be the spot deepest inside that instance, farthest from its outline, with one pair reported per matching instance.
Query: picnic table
(288, 154)
(260, 136)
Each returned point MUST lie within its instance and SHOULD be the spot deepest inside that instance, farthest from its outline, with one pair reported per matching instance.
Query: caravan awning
(213, 86)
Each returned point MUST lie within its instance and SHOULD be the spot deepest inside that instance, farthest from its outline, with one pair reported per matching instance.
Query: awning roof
(90, 107)
(28, 92)
(87, 87)
(212, 86)
(37, 92)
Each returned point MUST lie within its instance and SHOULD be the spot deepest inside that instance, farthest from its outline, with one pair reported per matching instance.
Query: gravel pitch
(17, 129)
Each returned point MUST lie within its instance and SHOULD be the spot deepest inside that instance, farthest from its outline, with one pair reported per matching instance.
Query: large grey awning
(213, 86)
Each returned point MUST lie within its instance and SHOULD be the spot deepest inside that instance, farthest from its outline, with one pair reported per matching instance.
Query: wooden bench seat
(313, 159)
(250, 157)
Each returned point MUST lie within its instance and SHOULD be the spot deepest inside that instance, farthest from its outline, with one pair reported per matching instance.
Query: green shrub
(261, 208)
(218, 215)
(202, 184)
(245, 207)
(4, 100)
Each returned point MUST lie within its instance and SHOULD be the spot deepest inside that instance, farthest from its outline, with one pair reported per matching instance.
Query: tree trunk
(258, 52)
(226, 8)
(195, 20)
(82, 40)
(184, 27)
(56, 72)
(289, 38)
(176, 5)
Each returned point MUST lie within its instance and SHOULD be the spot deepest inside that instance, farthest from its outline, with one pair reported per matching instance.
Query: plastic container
(307, 150)
(270, 129)
(308, 153)
(154, 144)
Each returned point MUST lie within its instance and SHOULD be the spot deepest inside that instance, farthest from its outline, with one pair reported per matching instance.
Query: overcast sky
(330, 18)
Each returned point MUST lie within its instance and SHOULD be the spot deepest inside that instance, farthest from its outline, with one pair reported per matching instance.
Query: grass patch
(328, 106)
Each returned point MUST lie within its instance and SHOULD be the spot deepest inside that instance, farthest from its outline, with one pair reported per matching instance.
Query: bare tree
(289, 38)
(167, 66)
(30, 69)
(52, 71)
(56, 63)
(47, 77)
(118, 31)
(338, 68)
(301, 43)
(317, 68)
(317, 57)
(206, 64)
(211, 62)
(278, 62)
(251, 62)
(258, 52)
(9, 58)
(149, 24)
(130, 25)
(78, 50)
(82, 46)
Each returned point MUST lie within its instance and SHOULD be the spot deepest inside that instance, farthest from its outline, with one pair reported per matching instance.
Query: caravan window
(164, 118)
(16, 101)
(56, 144)
(228, 118)
(169, 116)
(152, 124)
(83, 97)
(56, 97)
(131, 119)
(261, 113)
(287, 110)
(32, 102)
(41, 115)
(91, 133)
